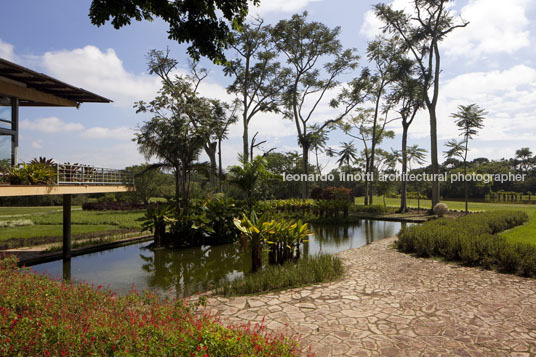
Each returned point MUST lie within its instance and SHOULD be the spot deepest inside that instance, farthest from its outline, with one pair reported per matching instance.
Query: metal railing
(76, 174)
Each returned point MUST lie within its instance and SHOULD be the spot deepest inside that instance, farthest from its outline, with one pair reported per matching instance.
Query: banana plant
(254, 233)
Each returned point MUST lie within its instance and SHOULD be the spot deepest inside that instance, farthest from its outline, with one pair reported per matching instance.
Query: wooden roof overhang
(37, 89)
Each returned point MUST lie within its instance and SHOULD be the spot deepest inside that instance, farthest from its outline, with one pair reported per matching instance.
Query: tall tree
(205, 24)
(347, 155)
(422, 31)
(385, 56)
(258, 79)
(524, 155)
(223, 115)
(318, 144)
(406, 98)
(469, 119)
(306, 46)
(170, 135)
(362, 128)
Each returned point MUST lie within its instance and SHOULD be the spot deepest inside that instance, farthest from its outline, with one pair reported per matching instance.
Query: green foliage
(34, 173)
(157, 217)
(150, 182)
(283, 237)
(43, 317)
(375, 209)
(220, 212)
(206, 24)
(472, 240)
(250, 176)
(312, 270)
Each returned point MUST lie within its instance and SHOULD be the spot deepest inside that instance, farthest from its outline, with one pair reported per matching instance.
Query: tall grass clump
(311, 270)
(43, 317)
(472, 240)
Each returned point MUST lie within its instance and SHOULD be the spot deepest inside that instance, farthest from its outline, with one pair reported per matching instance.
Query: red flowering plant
(44, 317)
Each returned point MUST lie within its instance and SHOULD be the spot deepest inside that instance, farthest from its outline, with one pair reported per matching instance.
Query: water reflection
(183, 272)
(186, 271)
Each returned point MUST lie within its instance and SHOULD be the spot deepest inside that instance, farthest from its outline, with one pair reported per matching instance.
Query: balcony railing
(75, 174)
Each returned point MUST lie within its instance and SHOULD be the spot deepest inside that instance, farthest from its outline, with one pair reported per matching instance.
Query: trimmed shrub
(441, 209)
(113, 206)
(472, 240)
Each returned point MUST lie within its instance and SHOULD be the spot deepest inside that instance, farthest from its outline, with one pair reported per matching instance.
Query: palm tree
(318, 140)
(524, 155)
(347, 154)
(469, 119)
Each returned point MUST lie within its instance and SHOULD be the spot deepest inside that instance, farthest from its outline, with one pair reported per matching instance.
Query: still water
(183, 272)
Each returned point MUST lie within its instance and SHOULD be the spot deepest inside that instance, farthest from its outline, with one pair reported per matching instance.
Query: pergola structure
(22, 87)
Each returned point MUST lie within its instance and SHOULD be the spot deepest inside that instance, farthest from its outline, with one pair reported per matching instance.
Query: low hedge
(43, 317)
(472, 240)
(113, 206)
(305, 271)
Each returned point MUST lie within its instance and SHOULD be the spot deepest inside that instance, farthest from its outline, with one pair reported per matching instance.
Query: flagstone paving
(393, 304)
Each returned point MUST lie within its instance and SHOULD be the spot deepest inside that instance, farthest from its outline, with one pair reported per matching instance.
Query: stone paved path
(392, 304)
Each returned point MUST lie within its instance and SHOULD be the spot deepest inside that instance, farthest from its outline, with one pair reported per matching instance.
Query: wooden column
(66, 226)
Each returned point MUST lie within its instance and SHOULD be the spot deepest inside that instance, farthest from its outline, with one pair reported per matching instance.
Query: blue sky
(491, 63)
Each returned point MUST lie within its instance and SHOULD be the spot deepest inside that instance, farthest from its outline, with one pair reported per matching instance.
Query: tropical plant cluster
(32, 173)
(282, 238)
(209, 221)
(43, 317)
(306, 271)
(472, 240)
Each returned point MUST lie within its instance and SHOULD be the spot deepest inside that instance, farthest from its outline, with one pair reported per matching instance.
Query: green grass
(83, 222)
(16, 211)
(523, 234)
(306, 271)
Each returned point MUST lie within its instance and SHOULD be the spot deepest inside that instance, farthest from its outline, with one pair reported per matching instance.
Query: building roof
(38, 89)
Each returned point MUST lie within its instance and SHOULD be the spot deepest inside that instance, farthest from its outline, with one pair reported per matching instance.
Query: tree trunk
(210, 149)
(177, 189)
(245, 139)
(305, 147)
(433, 153)
(256, 259)
(404, 193)
(220, 168)
(465, 187)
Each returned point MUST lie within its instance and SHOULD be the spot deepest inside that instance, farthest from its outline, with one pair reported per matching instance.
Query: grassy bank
(306, 271)
(41, 227)
(42, 317)
(521, 234)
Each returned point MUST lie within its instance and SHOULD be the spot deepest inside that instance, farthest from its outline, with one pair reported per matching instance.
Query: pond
(183, 272)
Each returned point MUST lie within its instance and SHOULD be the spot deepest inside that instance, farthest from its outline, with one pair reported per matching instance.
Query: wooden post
(66, 269)
(66, 226)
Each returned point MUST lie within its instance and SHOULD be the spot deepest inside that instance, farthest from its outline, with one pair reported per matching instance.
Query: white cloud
(509, 97)
(7, 51)
(280, 6)
(100, 72)
(50, 125)
(98, 132)
(372, 26)
(37, 144)
(493, 27)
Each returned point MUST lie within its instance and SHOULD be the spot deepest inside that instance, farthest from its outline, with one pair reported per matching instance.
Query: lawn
(16, 211)
(48, 223)
(525, 233)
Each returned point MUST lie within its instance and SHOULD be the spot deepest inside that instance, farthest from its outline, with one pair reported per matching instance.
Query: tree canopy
(205, 24)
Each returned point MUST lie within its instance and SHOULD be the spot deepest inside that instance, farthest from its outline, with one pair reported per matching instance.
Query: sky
(491, 62)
